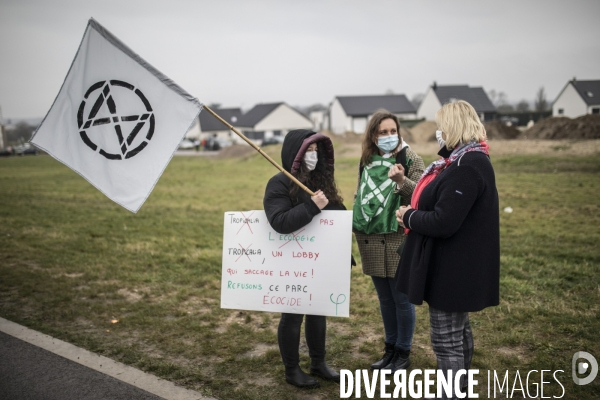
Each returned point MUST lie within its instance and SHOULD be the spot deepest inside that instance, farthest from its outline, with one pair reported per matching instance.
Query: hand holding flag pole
(265, 155)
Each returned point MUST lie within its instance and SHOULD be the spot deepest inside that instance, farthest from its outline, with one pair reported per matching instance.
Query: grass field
(71, 261)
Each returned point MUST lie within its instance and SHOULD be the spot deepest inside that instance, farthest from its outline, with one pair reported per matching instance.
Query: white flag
(117, 120)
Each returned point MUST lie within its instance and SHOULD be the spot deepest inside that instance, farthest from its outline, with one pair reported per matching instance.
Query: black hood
(295, 144)
(291, 145)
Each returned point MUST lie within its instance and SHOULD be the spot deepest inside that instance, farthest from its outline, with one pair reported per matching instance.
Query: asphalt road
(37, 366)
(28, 372)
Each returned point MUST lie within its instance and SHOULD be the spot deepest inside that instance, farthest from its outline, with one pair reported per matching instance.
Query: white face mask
(310, 159)
(438, 136)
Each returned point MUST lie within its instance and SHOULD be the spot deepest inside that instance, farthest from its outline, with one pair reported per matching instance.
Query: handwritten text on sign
(303, 272)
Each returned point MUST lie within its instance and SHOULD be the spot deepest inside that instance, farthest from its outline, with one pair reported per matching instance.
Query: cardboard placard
(304, 272)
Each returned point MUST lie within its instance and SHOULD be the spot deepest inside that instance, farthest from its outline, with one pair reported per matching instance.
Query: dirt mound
(236, 150)
(348, 137)
(407, 135)
(584, 127)
(499, 131)
(424, 132)
(357, 138)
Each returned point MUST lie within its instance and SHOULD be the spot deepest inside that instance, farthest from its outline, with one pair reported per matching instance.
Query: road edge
(117, 370)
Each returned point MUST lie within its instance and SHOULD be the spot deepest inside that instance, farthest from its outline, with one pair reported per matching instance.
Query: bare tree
(499, 99)
(316, 107)
(523, 106)
(417, 99)
(541, 104)
(502, 99)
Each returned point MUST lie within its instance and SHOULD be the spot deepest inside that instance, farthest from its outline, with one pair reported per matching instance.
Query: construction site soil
(499, 131)
(423, 132)
(554, 128)
(551, 136)
(584, 127)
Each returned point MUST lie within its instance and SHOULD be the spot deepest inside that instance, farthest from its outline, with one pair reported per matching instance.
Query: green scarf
(376, 203)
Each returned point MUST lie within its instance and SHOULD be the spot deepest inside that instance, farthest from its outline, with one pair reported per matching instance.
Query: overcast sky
(240, 53)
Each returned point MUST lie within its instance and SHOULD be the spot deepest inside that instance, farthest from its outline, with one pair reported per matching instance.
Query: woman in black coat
(308, 156)
(451, 257)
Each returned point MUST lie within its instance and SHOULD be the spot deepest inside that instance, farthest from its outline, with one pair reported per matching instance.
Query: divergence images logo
(115, 134)
(583, 367)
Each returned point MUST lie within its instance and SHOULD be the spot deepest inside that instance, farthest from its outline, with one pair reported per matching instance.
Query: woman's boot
(322, 370)
(387, 357)
(400, 360)
(295, 376)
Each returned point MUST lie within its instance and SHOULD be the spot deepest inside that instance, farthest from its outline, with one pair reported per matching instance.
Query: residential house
(317, 113)
(274, 119)
(438, 95)
(194, 131)
(210, 126)
(318, 119)
(351, 113)
(577, 98)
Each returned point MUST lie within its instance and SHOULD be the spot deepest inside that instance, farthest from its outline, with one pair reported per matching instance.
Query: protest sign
(304, 272)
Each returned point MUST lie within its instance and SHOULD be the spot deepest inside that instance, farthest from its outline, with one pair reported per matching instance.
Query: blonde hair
(461, 124)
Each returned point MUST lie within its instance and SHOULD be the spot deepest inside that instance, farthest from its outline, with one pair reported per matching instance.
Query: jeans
(397, 312)
(288, 336)
(452, 342)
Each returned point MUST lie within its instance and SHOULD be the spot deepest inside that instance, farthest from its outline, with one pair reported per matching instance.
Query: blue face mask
(387, 143)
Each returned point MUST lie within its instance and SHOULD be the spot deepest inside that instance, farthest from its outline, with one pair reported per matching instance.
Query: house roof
(209, 123)
(589, 91)
(257, 114)
(367, 105)
(472, 95)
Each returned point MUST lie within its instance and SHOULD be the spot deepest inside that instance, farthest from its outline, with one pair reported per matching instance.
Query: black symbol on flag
(105, 95)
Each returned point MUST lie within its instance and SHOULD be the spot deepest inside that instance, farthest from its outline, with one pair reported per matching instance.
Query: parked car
(272, 140)
(224, 142)
(214, 143)
(186, 144)
(509, 121)
(25, 149)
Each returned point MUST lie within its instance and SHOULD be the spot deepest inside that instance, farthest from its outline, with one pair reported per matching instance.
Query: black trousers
(288, 336)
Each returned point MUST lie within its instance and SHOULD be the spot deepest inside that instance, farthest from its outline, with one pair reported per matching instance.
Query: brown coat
(378, 252)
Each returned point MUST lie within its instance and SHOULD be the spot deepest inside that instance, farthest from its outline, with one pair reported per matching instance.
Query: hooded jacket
(287, 214)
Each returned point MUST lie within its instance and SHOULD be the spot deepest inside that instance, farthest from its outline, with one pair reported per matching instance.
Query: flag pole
(265, 155)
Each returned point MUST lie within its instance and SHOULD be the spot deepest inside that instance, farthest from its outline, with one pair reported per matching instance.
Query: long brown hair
(321, 178)
(369, 146)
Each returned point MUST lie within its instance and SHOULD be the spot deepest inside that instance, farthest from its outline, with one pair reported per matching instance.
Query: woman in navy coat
(451, 258)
